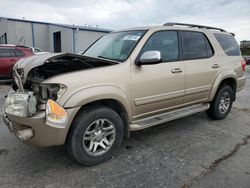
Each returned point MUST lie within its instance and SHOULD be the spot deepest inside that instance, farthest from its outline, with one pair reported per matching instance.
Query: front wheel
(96, 134)
(222, 103)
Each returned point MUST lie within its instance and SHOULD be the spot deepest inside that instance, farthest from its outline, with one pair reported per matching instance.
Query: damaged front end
(30, 74)
(32, 101)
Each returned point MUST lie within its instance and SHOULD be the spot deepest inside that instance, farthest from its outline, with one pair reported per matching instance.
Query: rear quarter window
(228, 43)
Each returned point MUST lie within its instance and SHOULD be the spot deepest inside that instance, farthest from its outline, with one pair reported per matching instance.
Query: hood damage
(29, 73)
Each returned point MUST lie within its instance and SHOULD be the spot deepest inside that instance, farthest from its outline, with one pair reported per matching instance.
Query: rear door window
(195, 45)
(228, 43)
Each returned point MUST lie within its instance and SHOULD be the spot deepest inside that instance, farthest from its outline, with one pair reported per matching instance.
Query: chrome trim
(169, 108)
(197, 90)
(157, 98)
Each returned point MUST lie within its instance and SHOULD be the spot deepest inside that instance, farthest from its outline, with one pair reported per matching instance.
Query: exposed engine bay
(53, 66)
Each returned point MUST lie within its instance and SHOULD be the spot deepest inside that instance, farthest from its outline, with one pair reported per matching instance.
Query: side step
(168, 116)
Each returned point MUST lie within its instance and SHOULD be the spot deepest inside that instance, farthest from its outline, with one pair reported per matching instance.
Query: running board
(168, 116)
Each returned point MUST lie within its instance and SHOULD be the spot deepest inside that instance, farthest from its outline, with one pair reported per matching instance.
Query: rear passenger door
(200, 64)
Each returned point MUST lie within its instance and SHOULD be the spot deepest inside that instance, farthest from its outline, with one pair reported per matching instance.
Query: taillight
(243, 65)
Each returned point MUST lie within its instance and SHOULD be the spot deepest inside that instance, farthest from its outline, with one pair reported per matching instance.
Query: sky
(232, 15)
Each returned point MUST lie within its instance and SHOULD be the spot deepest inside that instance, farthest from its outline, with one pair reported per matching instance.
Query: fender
(228, 73)
(98, 92)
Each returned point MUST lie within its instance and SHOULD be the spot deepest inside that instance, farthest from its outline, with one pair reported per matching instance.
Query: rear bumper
(44, 135)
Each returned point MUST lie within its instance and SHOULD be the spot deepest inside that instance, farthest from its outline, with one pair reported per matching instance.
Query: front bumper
(44, 135)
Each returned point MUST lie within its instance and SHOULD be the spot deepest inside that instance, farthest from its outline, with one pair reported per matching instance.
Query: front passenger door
(159, 87)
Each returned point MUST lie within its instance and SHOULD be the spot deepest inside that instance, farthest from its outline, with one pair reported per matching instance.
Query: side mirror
(150, 57)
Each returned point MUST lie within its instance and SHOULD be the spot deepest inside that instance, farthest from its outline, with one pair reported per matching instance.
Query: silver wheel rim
(99, 137)
(224, 102)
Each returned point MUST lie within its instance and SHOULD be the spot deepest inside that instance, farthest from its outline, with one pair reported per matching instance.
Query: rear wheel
(96, 133)
(222, 103)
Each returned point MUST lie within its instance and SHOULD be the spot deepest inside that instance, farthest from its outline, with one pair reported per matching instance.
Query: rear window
(19, 53)
(228, 43)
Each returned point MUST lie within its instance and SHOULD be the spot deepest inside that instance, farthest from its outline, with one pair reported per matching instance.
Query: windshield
(115, 46)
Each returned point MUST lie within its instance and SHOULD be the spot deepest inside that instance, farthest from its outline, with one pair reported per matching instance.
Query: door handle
(215, 66)
(176, 70)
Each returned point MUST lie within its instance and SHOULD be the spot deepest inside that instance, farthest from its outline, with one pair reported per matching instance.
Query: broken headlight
(20, 104)
(51, 91)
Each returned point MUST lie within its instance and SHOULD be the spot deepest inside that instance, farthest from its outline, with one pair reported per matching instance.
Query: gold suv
(126, 81)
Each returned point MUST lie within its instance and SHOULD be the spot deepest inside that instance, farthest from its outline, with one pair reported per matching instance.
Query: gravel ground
(189, 152)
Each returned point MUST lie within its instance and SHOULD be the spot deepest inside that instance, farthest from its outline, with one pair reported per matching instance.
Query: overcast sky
(232, 15)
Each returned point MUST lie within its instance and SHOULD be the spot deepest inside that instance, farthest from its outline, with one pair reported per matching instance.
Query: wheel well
(115, 105)
(232, 83)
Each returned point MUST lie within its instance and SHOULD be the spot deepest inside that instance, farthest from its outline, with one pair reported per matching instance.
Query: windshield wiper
(103, 57)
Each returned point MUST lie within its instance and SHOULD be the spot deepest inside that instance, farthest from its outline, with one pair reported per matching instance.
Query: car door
(158, 87)
(201, 66)
(7, 60)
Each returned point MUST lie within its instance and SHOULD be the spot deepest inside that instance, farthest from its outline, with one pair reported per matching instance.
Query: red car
(9, 55)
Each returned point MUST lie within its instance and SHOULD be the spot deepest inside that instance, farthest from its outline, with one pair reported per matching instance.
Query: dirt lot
(190, 152)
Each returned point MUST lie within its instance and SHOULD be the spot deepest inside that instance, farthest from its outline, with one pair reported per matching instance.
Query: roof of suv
(180, 26)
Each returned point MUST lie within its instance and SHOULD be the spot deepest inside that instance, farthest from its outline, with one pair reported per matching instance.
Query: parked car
(126, 81)
(9, 55)
(38, 51)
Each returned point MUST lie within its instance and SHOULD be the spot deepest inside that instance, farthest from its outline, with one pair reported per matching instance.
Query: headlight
(56, 115)
(20, 104)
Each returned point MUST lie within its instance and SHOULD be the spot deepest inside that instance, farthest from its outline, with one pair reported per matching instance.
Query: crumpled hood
(33, 61)
(27, 64)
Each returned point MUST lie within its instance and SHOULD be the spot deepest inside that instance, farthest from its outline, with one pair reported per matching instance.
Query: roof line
(61, 25)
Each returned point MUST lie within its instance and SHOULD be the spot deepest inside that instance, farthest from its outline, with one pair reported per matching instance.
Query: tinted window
(210, 51)
(195, 46)
(228, 43)
(166, 42)
(19, 53)
(6, 53)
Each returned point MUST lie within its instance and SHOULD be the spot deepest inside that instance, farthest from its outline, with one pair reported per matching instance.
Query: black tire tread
(85, 115)
(213, 111)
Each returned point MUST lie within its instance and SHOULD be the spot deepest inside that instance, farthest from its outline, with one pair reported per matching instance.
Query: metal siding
(41, 36)
(66, 38)
(85, 38)
(3, 27)
(19, 33)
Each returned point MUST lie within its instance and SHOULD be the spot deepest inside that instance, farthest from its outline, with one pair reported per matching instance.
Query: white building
(48, 36)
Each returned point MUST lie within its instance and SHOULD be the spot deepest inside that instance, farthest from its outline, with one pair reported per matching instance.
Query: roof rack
(193, 25)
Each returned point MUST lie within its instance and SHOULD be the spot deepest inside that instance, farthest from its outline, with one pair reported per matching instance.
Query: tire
(219, 110)
(86, 140)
